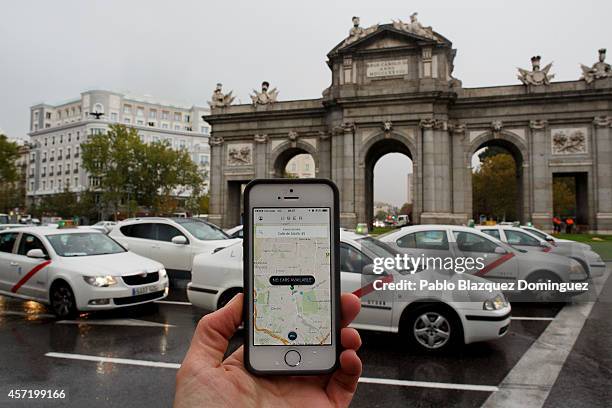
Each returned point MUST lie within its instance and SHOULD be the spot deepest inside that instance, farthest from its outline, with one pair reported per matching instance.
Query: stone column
(324, 160)
(215, 210)
(602, 139)
(437, 173)
(462, 174)
(541, 176)
(348, 216)
(260, 155)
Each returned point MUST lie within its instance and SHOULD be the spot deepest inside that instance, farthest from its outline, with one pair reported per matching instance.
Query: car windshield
(84, 244)
(203, 231)
(536, 232)
(380, 249)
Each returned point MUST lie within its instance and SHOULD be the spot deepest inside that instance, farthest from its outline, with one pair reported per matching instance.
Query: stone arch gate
(392, 91)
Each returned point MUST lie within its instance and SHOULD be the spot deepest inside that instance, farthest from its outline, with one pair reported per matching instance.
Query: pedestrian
(205, 379)
(569, 224)
(557, 224)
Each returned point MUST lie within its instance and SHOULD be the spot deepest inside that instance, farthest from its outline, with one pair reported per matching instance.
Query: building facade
(57, 132)
(392, 90)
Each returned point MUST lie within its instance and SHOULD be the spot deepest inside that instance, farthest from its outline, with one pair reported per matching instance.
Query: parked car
(235, 232)
(502, 262)
(11, 226)
(75, 270)
(428, 321)
(104, 226)
(172, 241)
(522, 238)
(555, 240)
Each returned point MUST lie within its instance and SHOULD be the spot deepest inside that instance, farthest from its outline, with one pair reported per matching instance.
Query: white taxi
(430, 320)
(76, 269)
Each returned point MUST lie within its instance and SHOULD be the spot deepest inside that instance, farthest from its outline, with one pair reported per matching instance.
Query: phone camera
(279, 198)
(291, 190)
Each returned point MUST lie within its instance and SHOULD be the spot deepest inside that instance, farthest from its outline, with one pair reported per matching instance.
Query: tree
(152, 175)
(564, 196)
(12, 194)
(494, 188)
(381, 215)
(406, 209)
(491, 151)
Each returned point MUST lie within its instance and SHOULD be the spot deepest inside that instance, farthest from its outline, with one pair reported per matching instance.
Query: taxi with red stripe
(499, 261)
(76, 270)
(430, 320)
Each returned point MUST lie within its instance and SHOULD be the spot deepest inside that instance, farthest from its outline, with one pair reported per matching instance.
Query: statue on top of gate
(599, 70)
(265, 97)
(414, 27)
(356, 32)
(536, 76)
(219, 99)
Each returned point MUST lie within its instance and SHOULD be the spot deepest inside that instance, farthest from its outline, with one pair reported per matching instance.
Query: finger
(213, 333)
(343, 382)
(350, 306)
(350, 339)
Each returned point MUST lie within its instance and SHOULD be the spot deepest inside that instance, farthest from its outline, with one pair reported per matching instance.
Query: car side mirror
(36, 253)
(500, 250)
(179, 240)
(549, 239)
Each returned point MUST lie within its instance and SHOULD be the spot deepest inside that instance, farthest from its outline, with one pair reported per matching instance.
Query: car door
(8, 262)
(432, 244)
(376, 310)
(139, 237)
(502, 266)
(32, 273)
(523, 241)
(175, 257)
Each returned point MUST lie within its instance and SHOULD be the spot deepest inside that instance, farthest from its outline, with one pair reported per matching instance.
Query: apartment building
(57, 132)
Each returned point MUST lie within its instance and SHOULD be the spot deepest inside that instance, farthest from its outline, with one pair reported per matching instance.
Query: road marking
(531, 379)
(366, 380)
(532, 318)
(127, 361)
(37, 315)
(426, 384)
(116, 322)
(173, 302)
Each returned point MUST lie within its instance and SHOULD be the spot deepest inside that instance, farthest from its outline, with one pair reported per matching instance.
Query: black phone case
(248, 290)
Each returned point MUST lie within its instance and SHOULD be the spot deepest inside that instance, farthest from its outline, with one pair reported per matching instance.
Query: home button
(293, 358)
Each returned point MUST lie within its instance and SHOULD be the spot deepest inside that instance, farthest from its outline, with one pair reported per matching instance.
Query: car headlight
(577, 272)
(162, 273)
(496, 303)
(100, 281)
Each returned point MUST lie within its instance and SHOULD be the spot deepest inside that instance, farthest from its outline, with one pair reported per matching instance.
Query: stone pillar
(260, 155)
(348, 216)
(325, 159)
(437, 173)
(462, 174)
(541, 176)
(215, 210)
(602, 139)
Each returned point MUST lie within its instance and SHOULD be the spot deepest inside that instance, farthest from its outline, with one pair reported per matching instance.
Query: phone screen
(292, 276)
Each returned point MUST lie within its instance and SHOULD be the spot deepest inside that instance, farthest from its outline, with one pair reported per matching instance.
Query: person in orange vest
(557, 224)
(569, 224)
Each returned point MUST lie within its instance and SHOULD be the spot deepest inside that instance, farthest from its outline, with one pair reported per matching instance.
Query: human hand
(206, 380)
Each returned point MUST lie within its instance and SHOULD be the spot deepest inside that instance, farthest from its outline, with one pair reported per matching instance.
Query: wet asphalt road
(161, 332)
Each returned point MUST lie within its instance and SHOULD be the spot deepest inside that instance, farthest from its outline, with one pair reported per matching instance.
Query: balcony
(32, 160)
(59, 158)
(75, 171)
(43, 175)
(67, 156)
(44, 160)
(76, 155)
(51, 159)
(67, 172)
(50, 173)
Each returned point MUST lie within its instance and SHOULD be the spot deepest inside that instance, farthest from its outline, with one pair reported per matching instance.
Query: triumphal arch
(392, 90)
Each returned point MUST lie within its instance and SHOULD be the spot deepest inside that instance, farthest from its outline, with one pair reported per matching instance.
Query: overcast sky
(177, 50)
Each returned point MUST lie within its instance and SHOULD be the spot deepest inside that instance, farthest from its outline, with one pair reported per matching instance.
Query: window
(537, 233)
(166, 232)
(177, 127)
(492, 232)
(142, 231)
(152, 114)
(114, 116)
(45, 141)
(69, 137)
(352, 260)
(53, 140)
(76, 151)
(127, 109)
(140, 122)
(127, 120)
(204, 130)
(187, 118)
(203, 231)
(165, 115)
(29, 242)
(177, 116)
(31, 186)
(44, 185)
(36, 126)
(78, 135)
(203, 159)
(61, 139)
(51, 185)
(164, 126)
(59, 154)
(470, 242)
(520, 238)
(306, 166)
(140, 111)
(47, 115)
(424, 240)
(68, 153)
(84, 244)
(7, 242)
(76, 181)
(181, 144)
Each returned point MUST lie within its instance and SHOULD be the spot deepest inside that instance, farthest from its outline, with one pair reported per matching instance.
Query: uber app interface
(292, 272)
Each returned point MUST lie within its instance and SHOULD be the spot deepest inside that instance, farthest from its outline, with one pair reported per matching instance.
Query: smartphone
(291, 276)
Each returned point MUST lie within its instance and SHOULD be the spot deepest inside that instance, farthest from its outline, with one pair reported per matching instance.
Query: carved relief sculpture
(497, 126)
(220, 100)
(535, 76)
(292, 136)
(569, 141)
(260, 138)
(599, 70)
(414, 27)
(356, 32)
(239, 155)
(265, 97)
(215, 140)
(387, 126)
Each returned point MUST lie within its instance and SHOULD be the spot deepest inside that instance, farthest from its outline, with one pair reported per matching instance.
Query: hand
(206, 380)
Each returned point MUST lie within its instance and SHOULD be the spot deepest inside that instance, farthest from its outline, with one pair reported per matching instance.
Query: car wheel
(62, 301)
(544, 295)
(226, 297)
(432, 328)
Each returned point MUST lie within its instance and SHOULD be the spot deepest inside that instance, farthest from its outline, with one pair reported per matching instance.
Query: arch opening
(497, 182)
(389, 184)
(295, 162)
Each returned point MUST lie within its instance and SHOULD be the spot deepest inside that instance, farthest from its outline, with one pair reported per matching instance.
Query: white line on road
(127, 361)
(427, 384)
(366, 380)
(117, 322)
(528, 384)
(532, 318)
(173, 302)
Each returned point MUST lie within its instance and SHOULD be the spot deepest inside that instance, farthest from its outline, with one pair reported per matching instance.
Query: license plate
(145, 289)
